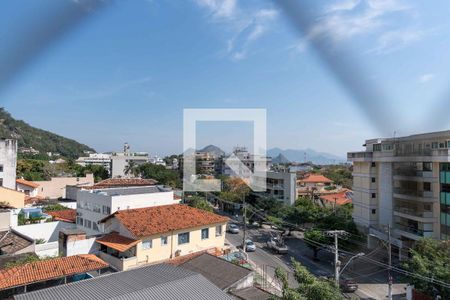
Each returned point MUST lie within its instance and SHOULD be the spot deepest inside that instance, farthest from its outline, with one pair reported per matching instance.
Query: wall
(363, 203)
(82, 246)
(47, 231)
(56, 187)
(47, 249)
(12, 197)
(27, 190)
(8, 159)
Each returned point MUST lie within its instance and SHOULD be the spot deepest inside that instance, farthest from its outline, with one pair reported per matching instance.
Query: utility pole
(390, 264)
(337, 263)
(245, 222)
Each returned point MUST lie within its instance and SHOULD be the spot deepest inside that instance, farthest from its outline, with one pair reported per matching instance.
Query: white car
(233, 228)
(250, 246)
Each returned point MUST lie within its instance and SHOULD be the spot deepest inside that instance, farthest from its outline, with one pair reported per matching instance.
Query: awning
(117, 242)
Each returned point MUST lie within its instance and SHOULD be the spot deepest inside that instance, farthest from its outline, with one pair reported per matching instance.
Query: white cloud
(394, 40)
(426, 77)
(342, 5)
(247, 25)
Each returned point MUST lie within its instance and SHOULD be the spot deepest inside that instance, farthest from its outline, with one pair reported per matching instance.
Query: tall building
(121, 162)
(96, 159)
(404, 182)
(8, 163)
(247, 163)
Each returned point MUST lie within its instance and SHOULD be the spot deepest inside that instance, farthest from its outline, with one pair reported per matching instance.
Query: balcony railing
(413, 230)
(413, 192)
(361, 154)
(413, 172)
(413, 211)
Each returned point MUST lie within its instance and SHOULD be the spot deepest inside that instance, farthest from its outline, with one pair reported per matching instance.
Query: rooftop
(27, 183)
(124, 182)
(158, 282)
(12, 242)
(315, 178)
(222, 273)
(49, 269)
(340, 198)
(142, 222)
(117, 241)
(129, 190)
(66, 215)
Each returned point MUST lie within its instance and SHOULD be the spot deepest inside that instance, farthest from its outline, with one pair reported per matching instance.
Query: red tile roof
(27, 183)
(315, 178)
(66, 215)
(49, 269)
(340, 198)
(142, 222)
(116, 241)
(124, 182)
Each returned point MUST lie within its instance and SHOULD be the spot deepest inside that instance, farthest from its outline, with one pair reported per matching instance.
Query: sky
(126, 71)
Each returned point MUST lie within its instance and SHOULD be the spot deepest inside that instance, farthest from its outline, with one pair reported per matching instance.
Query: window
(95, 226)
(183, 238)
(427, 166)
(1, 168)
(1, 181)
(147, 244)
(387, 147)
(373, 165)
(441, 145)
(374, 211)
(80, 221)
(374, 195)
(427, 186)
(434, 145)
(219, 230)
(163, 240)
(96, 208)
(205, 233)
(106, 210)
(87, 223)
(377, 147)
(373, 179)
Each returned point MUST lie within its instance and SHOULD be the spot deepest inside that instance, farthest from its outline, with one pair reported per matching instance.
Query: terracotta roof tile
(116, 241)
(27, 183)
(142, 222)
(49, 269)
(315, 178)
(66, 215)
(340, 198)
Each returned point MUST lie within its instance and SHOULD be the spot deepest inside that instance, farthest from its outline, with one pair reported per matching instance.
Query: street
(371, 279)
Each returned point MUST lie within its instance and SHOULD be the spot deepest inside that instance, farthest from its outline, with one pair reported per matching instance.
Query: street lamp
(350, 260)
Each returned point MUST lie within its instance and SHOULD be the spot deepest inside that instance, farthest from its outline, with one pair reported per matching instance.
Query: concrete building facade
(403, 182)
(8, 163)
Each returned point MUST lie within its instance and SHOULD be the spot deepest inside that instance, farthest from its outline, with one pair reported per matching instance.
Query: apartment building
(247, 163)
(95, 204)
(96, 159)
(151, 234)
(404, 182)
(281, 186)
(121, 162)
(8, 163)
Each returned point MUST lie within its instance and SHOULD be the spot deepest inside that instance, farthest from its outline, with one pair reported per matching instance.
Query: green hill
(44, 141)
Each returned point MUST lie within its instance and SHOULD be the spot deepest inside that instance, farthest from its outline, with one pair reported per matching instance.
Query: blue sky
(129, 70)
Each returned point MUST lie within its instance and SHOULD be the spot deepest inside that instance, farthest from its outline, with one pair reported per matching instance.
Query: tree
(159, 173)
(200, 203)
(309, 287)
(313, 239)
(54, 207)
(430, 258)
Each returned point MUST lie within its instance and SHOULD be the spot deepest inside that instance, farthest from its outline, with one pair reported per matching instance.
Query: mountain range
(41, 140)
(307, 155)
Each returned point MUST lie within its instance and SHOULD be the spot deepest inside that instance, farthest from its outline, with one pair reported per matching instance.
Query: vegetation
(41, 140)
(314, 238)
(430, 258)
(159, 173)
(54, 207)
(40, 241)
(200, 203)
(25, 260)
(309, 287)
(341, 175)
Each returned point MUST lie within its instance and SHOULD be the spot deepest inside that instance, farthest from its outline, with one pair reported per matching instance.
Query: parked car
(233, 228)
(277, 245)
(250, 246)
(348, 286)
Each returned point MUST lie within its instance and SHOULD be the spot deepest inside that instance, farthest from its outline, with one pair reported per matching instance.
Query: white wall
(47, 231)
(385, 193)
(47, 249)
(8, 159)
(82, 247)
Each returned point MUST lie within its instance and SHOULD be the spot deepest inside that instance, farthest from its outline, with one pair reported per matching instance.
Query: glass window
(147, 244)
(96, 208)
(218, 230)
(95, 226)
(373, 165)
(427, 166)
(87, 223)
(374, 211)
(377, 147)
(183, 238)
(373, 179)
(434, 145)
(1, 168)
(427, 186)
(163, 240)
(205, 233)
(80, 221)
(106, 210)
(374, 195)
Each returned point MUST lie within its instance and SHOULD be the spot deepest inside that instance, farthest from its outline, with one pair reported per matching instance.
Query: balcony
(413, 213)
(360, 156)
(414, 194)
(412, 172)
(119, 263)
(412, 232)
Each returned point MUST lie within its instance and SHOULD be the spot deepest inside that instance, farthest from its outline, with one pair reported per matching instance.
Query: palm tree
(131, 168)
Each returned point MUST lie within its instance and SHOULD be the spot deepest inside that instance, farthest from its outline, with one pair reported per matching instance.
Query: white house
(29, 188)
(95, 204)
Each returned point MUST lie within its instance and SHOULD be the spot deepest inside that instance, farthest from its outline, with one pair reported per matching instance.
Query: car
(250, 246)
(348, 286)
(233, 228)
(277, 245)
